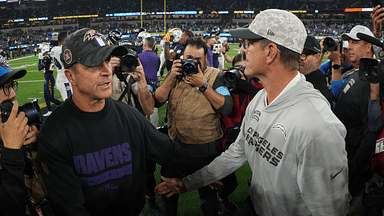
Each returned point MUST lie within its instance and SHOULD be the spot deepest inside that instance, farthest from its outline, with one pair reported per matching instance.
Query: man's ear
(70, 76)
(272, 53)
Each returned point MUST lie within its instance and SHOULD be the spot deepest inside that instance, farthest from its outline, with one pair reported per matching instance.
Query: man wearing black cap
(14, 134)
(310, 63)
(92, 149)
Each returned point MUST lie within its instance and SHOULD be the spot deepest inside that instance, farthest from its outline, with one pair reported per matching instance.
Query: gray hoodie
(296, 150)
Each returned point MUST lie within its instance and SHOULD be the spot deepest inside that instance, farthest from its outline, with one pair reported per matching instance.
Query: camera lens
(231, 77)
(32, 112)
(189, 69)
(128, 63)
(330, 44)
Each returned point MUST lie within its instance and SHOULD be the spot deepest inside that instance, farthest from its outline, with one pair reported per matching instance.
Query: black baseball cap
(312, 44)
(7, 73)
(89, 48)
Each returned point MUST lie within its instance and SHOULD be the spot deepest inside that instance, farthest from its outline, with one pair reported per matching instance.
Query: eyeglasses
(305, 54)
(7, 87)
(247, 43)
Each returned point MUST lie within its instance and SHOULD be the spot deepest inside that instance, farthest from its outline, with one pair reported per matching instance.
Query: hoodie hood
(296, 93)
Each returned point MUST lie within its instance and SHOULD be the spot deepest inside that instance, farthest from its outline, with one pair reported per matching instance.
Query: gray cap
(278, 26)
(353, 33)
(89, 48)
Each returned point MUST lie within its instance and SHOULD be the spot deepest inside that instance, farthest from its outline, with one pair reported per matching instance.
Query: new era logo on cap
(270, 32)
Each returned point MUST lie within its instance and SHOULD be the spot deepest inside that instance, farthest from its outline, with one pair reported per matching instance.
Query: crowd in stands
(72, 7)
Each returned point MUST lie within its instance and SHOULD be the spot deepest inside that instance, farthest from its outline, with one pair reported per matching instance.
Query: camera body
(331, 43)
(371, 70)
(233, 75)
(190, 66)
(31, 110)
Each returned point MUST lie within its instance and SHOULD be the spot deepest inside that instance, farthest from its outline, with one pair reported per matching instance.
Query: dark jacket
(352, 110)
(319, 82)
(13, 193)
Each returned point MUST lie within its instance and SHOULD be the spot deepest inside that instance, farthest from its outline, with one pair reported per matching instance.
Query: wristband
(203, 87)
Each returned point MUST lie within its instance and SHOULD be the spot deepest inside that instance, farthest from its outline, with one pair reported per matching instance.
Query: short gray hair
(290, 59)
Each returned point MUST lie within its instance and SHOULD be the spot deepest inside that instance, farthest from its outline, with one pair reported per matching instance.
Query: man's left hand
(138, 75)
(197, 80)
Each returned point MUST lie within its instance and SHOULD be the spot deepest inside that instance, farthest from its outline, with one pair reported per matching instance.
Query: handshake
(171, 186)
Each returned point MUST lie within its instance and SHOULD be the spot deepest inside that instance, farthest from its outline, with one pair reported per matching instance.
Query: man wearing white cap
(352, 109)
(299, 168)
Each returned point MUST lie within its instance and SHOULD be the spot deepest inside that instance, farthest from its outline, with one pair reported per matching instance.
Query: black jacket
(317, 78)
(352, 110)
(13, 193)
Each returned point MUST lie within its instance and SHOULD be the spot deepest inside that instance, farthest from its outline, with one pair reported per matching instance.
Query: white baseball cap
(278, 26)
(353, 33)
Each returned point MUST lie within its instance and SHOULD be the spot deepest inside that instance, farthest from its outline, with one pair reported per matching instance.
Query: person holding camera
(242, 91)
(299, 168)
(310, 61)
(15, 133)
(352, 109)
(92, 149)
(196, 98)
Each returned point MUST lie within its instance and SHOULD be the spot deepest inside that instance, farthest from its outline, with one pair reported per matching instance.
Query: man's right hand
(13, 132)
(176, 69)
(334, 56)
(377, 19)
(170, 186)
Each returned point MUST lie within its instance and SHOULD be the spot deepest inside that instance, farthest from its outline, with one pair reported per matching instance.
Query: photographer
(14, 134)
(140, 88)
(195, 102)
(352, 110)
(309, 66)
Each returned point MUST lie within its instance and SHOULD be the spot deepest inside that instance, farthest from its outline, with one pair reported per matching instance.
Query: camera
(189, 66)
(371, 70)
(331, 43)
(233, 75)
(31, 110)
(128, 62)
